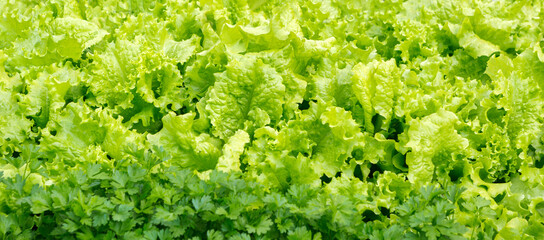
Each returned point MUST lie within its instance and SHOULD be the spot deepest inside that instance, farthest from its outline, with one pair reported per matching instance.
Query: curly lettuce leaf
(187, 147)
(434, 143)
(248, 95)
(375, 86)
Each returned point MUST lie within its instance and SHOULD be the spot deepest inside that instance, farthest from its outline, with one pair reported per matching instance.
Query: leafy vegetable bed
(377, 119)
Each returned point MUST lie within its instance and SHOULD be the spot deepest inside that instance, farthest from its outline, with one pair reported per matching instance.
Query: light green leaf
(246, 96)
(473, 44)
(73, 35)
(187, 147)
(375, 86)
(230, 160)
(432, 139)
